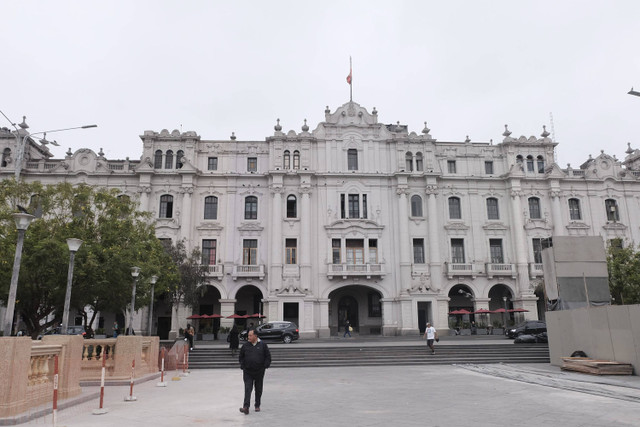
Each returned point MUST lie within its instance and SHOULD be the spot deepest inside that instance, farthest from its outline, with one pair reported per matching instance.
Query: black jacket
(255, 358)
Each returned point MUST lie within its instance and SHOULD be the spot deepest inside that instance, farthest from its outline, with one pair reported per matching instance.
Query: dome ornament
(506, 132)
(277, 127)
(305, 128)
(24, 124)
(544, 133)
(629, 149)
(233, 136)
(426, 130)
(467, 139)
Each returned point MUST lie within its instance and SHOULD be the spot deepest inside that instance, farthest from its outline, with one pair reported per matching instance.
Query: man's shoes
(244, 410)
(257, 409)
(433, 352)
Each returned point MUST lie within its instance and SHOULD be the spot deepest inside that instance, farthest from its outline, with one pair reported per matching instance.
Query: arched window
(408, 159)
(179, 156)
(492, 208)
(612, 210)
(296, 159)
(157, 161)
(574, 210)
(454, 208)
(352, 159)
(6, 154)
(292, 206)
(251, 207)
(286, 160)
(419, 163)
(166, 206)
(519, 159)
(211, 207)
(540, 164)
(534, 208)
(416, 206)
(530, 167)
(168, 160)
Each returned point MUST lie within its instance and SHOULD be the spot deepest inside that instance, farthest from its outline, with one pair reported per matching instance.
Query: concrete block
(15, 357)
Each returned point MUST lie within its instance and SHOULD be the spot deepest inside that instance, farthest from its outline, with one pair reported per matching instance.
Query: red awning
(194, 316)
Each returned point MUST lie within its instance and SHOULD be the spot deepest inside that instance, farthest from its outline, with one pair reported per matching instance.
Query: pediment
(346, 225)
(249, 226)
(351, 113)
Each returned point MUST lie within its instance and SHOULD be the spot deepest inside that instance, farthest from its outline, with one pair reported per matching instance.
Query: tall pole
(74, 245)
(135, 271)
(22, 222)
(154, 279)
(350, 81)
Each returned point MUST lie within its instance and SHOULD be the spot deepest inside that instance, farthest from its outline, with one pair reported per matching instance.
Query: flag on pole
(350, 71)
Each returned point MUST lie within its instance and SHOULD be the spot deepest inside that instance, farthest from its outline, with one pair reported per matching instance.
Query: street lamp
(505, 313)
(22, 223)
(153, 280)
(135, 271)
(74, 245)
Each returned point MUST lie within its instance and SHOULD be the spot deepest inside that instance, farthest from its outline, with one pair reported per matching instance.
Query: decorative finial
(601, 151)
(101, 153)
(305, 128)
(327, 110)
(69, 153)
(491, 141)
(374, 112)
(629, 150)
(544, 133)
(590, 158)
(426, 130)
(506, 132)
(467, 139)
(398, 127)
(277, 127)
(568, 165)
(233, 136)
(24, 124)
(44, 141)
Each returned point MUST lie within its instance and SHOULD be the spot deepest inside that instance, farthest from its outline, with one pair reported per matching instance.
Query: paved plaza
(445, 395)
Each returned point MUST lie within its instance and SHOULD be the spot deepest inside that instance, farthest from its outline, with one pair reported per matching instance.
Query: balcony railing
(350, 270)
(458, 269)
(214, 270)
(496, 269)
(248, 271)
(535, 269)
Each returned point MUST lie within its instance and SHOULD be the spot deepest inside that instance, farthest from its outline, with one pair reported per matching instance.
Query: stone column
(323, 327)
(556, 212)
(185, 220)
(389, 321)
(435, 262)
(403, 231)
(305, 238)
(145, 193)
(520, 242)
(275, 276)
(227, 308)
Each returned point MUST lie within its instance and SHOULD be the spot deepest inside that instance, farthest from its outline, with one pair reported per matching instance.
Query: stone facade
(358, 219)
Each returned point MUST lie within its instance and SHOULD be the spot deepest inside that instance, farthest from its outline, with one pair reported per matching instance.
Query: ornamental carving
(431, 190)
(186, 190)
(555, 193)
(516, 193)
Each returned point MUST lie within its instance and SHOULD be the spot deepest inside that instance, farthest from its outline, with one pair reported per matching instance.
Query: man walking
(431, 334)
(254, 359)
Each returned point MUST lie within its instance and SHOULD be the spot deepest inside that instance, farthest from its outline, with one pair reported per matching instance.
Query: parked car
(529, 327)
(71, 330)
(285, 331)
(528, 339)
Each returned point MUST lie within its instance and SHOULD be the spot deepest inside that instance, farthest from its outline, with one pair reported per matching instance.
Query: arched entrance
(248, 301)
(501, 299)
(209, 303)
(461, 298)
(361, 305)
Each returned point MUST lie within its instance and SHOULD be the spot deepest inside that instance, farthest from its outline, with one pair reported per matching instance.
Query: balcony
(215, 270)
(351, 270)
(494, 269)
(250, 271)
(535, 270)
(456, 269)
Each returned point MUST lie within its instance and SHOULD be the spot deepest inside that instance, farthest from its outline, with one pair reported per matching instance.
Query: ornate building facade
(357, 219)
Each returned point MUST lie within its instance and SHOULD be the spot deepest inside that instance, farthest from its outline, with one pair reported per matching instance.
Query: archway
(209, 303)
(361, 305)
(501, 299)
(248, 301)
(461, 297)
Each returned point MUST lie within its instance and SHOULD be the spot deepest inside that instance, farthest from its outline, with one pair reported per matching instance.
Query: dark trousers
(251, 378)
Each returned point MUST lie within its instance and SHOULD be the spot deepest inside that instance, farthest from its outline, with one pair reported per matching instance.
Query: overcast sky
(465, 67)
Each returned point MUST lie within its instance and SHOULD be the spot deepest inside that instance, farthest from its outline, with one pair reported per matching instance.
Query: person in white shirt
(431, 334)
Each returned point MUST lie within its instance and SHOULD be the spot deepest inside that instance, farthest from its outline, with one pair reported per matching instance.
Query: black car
(71, 330)
(285, 331)
(529, 327)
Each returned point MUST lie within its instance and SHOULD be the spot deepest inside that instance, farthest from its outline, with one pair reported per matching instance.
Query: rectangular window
(457, 251)
(451, 166)
(537, 251)
(342, 208)
(364, 206)
(291, 251)
(495, 249)
(612, 210)
(488, 167)
(249, 251)
(534, 208)
(418, 251)
(212, 164)
(354, 206)
(616, 243)
(335, 251)
(375, 305)
(373, 251)
(492, 208)
(209, 252)
(574, 210)
(352, 159)
(252, 164)
(355, 251)
(454, 208)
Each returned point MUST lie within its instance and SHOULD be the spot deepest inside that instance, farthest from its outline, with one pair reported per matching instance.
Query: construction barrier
(55, 390)
(131, 397)
(161, 383)
(101, 409)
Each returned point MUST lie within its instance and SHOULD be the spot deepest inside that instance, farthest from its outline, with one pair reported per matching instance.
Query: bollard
(101, 410)
(162, 383)
(55, 390)
(184, 362)
(131, 397)
(176, 377)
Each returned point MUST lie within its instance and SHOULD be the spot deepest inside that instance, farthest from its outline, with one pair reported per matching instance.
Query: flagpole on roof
(350, 81)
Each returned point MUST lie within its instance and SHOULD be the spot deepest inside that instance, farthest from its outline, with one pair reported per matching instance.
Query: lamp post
(22, 223)
(135, 271)
(505, 314)
(74, 245)
(154, 279)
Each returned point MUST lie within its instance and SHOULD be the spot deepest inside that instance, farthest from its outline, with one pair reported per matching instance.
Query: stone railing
(119, 353)
(92, 353)
(41, 372)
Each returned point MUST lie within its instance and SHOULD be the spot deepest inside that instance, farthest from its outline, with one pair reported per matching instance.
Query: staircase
(290, 356)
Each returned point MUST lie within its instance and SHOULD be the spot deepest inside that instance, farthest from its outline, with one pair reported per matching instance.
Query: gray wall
(610, 332)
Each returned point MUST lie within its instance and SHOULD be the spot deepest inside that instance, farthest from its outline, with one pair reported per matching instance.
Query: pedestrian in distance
(347, 328)
(115, 329)
(188, 335)
(431, 335)
(234, 339)
(254, 359)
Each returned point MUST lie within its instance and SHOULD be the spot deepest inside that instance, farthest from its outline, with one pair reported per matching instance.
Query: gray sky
(465, 67)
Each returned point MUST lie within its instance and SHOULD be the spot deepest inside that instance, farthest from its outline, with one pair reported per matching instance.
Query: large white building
(357, 219)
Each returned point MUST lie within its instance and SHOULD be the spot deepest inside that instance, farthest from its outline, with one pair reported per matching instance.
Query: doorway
(424, 315)
(291, 312)
(164, 326)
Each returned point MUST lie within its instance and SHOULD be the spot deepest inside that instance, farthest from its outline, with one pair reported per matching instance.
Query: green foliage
(190, 275)
(624, 274)
(115, 235)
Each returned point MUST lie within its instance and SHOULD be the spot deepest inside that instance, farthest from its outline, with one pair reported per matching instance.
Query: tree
(624, 274)
(192, 274)
(116, 236)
